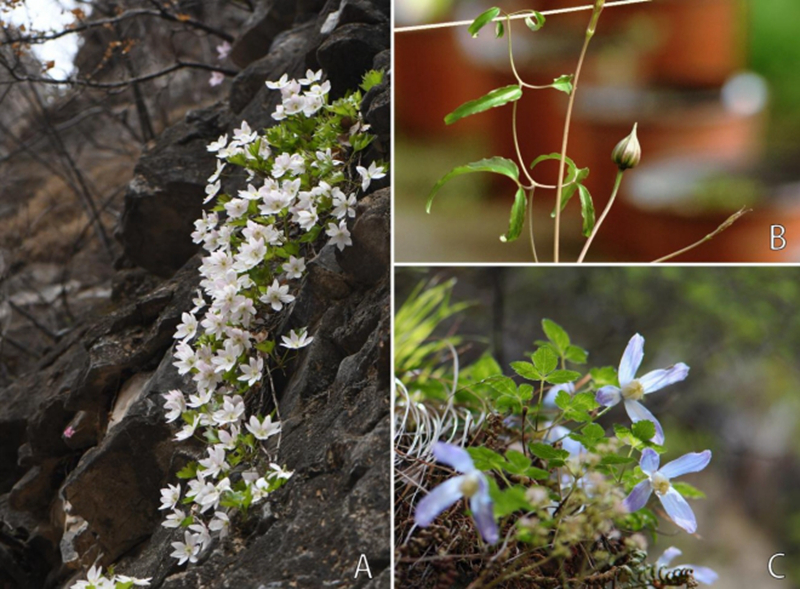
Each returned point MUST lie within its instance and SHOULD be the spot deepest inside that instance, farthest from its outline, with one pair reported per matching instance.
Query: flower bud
(628, 153)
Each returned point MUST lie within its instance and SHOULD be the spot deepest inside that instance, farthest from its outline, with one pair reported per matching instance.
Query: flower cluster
(256, 244)
(95, 579)
(548, 457)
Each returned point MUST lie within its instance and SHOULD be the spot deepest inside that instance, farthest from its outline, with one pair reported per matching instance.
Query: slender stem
(511, 57)
(602, 218)
(466, 23)
(530, 225)
(560, 188)
(728, 222)
(516, 142)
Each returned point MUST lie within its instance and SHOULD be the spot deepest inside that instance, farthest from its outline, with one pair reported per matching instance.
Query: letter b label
(777, 239)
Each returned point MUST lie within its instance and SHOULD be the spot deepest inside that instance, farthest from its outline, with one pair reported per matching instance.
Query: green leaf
(644, 430)
(188, 472)
(556, 334)
(545, 360)
(266, 346)
(576, 355)
(614, 459)
(498, 165)
(499, 30)
(537, 474)
(562, 376)
(486, 459)
(518, 463)
(547, 452)
(572, 179)
(563, 83)
(688, 490)
(594, 431)
(517, 217)
(587, 210)
(495, 98)
(483, 19)
(508, 500)
(563, 399)
(371, 79)
(535, 21)
(526, 370)
(604, 376)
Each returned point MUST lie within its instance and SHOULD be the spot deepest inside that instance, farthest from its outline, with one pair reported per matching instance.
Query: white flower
(221, 523)
(251, 193)
(250, 255)
(294, 104)
(201, 399)
(231, 412)
(244, 135)
(340, 235)
(251, 373)
(214, 463)
(228, 439)
(216, 78)
(188, 327)
(263, 429)
(279, 115)
(343, 205)
(277, 295)
(188, 429)
(186, 358)
(369, 174)
(220, 143)
(187, 550)
(174, 519)
(278, 472)
(296, 340)
(134, 580)
(280, 84)
(215, 176)
(259, 489)
(295, 267)
(198, 301)
(236, 207)
(307, 219)
(212, 190)
(311, 77)
(263, 149)
(175, 404)
(226, 357)
(170, 497)
(212, 495)
(223, 49)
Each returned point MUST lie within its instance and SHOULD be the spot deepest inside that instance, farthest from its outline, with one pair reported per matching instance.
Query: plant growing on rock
(556, 496)
(303, 178)
(626, 155)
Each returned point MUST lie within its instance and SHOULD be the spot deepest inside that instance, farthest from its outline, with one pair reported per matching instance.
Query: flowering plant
(626, 154)
(556, 493)
(300, 190)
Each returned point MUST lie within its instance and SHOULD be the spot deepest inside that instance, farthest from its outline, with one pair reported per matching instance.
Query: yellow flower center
(660, 483)
(470, 485)
(633, 391)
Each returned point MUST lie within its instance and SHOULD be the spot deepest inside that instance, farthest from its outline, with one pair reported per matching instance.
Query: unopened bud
(628, 153)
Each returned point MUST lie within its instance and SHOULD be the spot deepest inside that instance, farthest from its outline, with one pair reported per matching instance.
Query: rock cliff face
(93, 493)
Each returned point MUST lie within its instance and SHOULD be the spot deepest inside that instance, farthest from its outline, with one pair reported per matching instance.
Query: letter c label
(771, 560)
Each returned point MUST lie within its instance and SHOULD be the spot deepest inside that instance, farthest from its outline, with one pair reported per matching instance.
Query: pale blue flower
(471, 483)
(701, 574)
(658, 480)
(631, 390)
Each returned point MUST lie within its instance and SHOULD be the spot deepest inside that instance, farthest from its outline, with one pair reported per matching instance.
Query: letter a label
(363, 566)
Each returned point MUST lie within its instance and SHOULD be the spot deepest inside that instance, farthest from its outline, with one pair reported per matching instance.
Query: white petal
(668, 556)
(658, 379)
(692, 462)
(649, 461)
(439, 499)
(678, 510)
(453, 456)
(608, 396)
(638, 412)
(631, 359)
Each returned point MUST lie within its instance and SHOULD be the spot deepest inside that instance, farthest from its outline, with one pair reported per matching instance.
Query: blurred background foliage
(713, 84)
(739, 331)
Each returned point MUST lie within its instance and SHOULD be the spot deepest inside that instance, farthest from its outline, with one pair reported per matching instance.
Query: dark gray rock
(270, 18)
(348, 52)
(367, 261)
(166, 194)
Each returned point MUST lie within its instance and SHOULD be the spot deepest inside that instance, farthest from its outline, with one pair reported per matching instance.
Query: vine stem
(602, 218)
(598, 8)
(728, 222)
(466, 23)
(530, 226)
